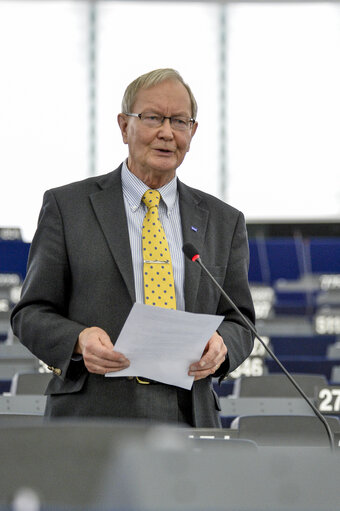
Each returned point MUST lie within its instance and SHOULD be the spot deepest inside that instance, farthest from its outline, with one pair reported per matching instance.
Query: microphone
(192, 253)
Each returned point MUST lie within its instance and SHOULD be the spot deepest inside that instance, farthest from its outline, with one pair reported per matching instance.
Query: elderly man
(87, 266)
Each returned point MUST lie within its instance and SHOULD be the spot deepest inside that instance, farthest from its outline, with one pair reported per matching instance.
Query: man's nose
(165, 129)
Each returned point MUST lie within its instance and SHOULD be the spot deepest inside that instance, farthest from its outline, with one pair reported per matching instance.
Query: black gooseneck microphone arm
(191, 252)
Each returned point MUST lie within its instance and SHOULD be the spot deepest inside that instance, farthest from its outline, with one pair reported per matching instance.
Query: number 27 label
(329, 400)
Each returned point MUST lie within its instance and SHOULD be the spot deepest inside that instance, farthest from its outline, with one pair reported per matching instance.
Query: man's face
(155, 153)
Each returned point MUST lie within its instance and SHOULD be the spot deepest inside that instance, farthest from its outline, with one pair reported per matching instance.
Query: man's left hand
(213, 356)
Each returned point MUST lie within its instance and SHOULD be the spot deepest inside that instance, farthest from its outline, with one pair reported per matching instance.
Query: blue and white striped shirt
(169, 214)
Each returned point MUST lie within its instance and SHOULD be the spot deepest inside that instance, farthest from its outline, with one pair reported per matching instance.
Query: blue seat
(225, 389)
(315, 345)
(277, 258)
(13, 257)
(226, 420)
(285, 258)
(257, 267)
(296, 303)
(325, 255)
(311, 365)
(5, 386)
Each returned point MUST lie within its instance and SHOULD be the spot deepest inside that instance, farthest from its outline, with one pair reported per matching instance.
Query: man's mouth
(164, 151)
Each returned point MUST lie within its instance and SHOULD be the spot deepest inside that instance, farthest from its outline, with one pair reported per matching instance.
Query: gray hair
(150, 79)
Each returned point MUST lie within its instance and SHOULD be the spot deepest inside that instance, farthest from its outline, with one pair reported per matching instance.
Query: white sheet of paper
(162, 343)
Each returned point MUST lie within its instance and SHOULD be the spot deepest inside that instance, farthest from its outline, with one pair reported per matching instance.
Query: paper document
(162, 343)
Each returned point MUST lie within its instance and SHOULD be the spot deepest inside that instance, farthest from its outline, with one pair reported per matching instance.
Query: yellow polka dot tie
(159, 287)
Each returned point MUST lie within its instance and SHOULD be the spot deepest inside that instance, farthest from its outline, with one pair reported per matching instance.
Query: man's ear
(193, 131)
(194, 128)
(122, 121)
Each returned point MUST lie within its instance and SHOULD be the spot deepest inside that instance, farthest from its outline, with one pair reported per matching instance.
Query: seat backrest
(30, 383)
(20, 420)
(279, 430)
(255, 273)
(285, 258)
(277, 385)
(325, 255)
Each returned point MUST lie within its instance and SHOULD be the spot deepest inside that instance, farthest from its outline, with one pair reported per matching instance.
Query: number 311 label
(328, 400)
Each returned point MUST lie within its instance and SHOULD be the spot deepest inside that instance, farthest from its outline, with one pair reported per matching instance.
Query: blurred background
(266, 76)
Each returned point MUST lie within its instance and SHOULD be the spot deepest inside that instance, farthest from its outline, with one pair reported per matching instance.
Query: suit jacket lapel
(108, 205)
(194, 220)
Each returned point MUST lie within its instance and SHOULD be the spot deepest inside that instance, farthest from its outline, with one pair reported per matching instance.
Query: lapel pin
(194, 228)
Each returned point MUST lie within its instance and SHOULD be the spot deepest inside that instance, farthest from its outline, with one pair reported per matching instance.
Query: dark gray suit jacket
(80, 274)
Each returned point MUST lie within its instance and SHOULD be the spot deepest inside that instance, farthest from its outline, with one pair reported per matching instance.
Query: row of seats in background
(295, 284)
(294, 275)
(294, 281)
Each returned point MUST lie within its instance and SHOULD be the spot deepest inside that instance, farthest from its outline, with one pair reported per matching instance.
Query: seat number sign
(328, 399)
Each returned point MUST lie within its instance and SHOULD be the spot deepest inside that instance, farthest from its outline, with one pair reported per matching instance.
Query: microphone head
(190, 251)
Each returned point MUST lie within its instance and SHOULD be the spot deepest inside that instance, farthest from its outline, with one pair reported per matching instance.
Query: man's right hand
(98, 352)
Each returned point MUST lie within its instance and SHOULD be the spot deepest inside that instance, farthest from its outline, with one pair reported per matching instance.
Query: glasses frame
(163, 117)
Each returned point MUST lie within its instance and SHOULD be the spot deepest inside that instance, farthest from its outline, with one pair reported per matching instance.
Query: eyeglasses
(152, 120)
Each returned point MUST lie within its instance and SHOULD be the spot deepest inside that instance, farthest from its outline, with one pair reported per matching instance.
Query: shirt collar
(134, 189)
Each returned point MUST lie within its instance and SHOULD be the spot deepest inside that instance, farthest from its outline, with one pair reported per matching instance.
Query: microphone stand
(253, 330)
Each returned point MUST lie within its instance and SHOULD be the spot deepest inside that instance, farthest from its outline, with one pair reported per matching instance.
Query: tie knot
(151, 198)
